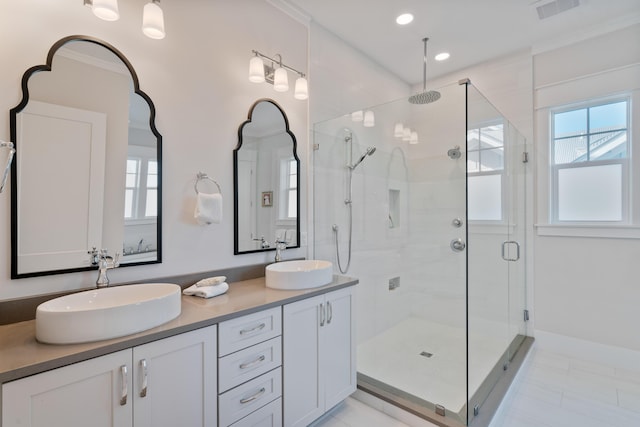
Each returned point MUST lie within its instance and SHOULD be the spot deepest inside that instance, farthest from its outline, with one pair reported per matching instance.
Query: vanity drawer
(267, 416)
(245, 399)
(243, 365)
(245, 331)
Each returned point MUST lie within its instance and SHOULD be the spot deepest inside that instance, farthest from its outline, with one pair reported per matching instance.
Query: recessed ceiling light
(442, 56)
(404, 19)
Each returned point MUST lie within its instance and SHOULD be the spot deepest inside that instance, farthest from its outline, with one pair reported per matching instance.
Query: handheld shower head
(370, 151)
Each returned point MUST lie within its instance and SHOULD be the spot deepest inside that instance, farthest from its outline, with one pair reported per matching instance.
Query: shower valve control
(457, 222)
(458, 245)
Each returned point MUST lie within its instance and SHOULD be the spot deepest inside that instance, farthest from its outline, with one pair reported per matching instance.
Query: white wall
(197, 79)
(587, 287)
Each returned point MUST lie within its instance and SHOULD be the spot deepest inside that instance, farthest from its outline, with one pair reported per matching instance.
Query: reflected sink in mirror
(302, 274)
(106, 313)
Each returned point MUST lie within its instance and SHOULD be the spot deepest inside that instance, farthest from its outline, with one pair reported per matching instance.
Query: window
(485, 172)
(288, 189)
(590, 162)
(141, 189)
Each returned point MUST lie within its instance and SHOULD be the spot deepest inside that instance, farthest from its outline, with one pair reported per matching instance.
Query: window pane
(131, 180)
(151, 208)
(492, 136)
(132, 166)
(570, 150)
(609, 145)
(570, 123)
(293, 167)
(485, 197)
(591, 193)
(152, 181)
(607, 117)
(491, 160)
(292, 206)
(473, 161)
(128, 203)
(473, 139)
(152, 167)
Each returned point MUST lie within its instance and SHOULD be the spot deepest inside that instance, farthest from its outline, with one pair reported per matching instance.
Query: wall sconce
(152, 15)
(278, 77)
(369, 119)
(405, 134)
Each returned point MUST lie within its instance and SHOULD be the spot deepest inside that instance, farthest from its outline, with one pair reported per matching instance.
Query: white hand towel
(208, 208)
(207, 291)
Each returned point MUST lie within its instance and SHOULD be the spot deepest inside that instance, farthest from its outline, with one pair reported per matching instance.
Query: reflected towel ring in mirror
(203, 176)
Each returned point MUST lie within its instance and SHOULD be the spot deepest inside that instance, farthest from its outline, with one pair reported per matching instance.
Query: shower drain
(426, 354)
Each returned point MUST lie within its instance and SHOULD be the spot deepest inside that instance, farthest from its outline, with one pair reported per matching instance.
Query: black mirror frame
(236, 250)
(14, 168)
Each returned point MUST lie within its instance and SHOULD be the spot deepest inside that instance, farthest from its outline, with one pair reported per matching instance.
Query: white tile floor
(551, 390)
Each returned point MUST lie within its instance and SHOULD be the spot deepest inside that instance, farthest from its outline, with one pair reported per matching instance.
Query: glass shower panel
(496, 196)
(406, 204)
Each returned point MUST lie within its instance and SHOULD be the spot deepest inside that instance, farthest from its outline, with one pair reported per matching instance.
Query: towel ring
(203, 176)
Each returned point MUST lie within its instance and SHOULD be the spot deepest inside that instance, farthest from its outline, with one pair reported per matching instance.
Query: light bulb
(153, 20)
(369, 119)
(281, 80)
(398, 130)
(301, 89)
(256, 70)
(106, 9)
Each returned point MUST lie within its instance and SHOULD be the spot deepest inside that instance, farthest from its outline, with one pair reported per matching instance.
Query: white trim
(613, 231)
(592, 351)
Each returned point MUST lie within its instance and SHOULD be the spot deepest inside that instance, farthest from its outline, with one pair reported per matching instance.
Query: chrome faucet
(105, 263)
(281, 245)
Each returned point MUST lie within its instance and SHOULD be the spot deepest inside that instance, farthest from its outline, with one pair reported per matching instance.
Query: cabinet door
(338, 356)
(175, 381)
(302, 388)
(96, 392)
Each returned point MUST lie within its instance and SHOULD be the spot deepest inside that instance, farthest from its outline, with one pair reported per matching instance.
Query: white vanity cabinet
(168, 382)
(318, 355)
(250, 373)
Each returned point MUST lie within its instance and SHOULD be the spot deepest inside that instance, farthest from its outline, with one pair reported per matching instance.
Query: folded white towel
(207, 291)
(208, 208)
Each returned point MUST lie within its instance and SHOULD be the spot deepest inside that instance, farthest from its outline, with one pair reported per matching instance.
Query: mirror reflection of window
(288, 189)
(485, 172)
(141, 188)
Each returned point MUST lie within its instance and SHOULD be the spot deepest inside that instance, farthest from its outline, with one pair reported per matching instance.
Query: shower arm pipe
(424, 65)
(279, 62)
(5, 174)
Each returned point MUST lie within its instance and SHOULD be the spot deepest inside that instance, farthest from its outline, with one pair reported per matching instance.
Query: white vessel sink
(106, 313)
(303, 274)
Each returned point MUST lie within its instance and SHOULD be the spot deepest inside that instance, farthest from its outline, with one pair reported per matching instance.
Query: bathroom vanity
(254, 356)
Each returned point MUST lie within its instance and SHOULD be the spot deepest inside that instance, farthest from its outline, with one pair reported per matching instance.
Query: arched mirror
(266, 181)
(88, 166)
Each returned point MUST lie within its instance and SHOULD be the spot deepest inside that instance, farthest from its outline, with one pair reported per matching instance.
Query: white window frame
(554, 169)
(285, 189)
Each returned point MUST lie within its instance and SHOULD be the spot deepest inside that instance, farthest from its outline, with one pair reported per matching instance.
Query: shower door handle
(504, 245)
(458, 245)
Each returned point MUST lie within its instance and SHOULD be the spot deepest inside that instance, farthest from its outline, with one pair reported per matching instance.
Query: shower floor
(398, 358)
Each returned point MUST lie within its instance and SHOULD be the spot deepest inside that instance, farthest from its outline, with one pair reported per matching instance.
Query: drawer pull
(255, 362)
(254, 329)
(123, 391)
(329, 312)
(254, 397)
(143, 365)
(322, 314)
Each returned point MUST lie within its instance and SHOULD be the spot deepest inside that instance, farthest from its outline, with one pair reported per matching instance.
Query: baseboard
(591, 351)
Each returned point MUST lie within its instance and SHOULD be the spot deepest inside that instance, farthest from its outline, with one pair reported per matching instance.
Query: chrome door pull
(143, 366)
(329, 312)
(255, 362)
(124, 392)
(253, 397)
(322, 314)
(458, 245)
(504, 245)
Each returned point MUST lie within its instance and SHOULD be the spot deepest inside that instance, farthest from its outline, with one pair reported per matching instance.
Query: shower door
(496, 231)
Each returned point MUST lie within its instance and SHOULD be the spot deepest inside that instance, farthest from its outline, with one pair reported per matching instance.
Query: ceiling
(472, 31)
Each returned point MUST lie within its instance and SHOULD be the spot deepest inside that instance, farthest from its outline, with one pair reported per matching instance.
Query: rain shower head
(370, 151)
(425, 97)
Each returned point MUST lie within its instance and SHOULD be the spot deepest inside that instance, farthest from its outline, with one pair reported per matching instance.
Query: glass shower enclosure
(425, 205)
